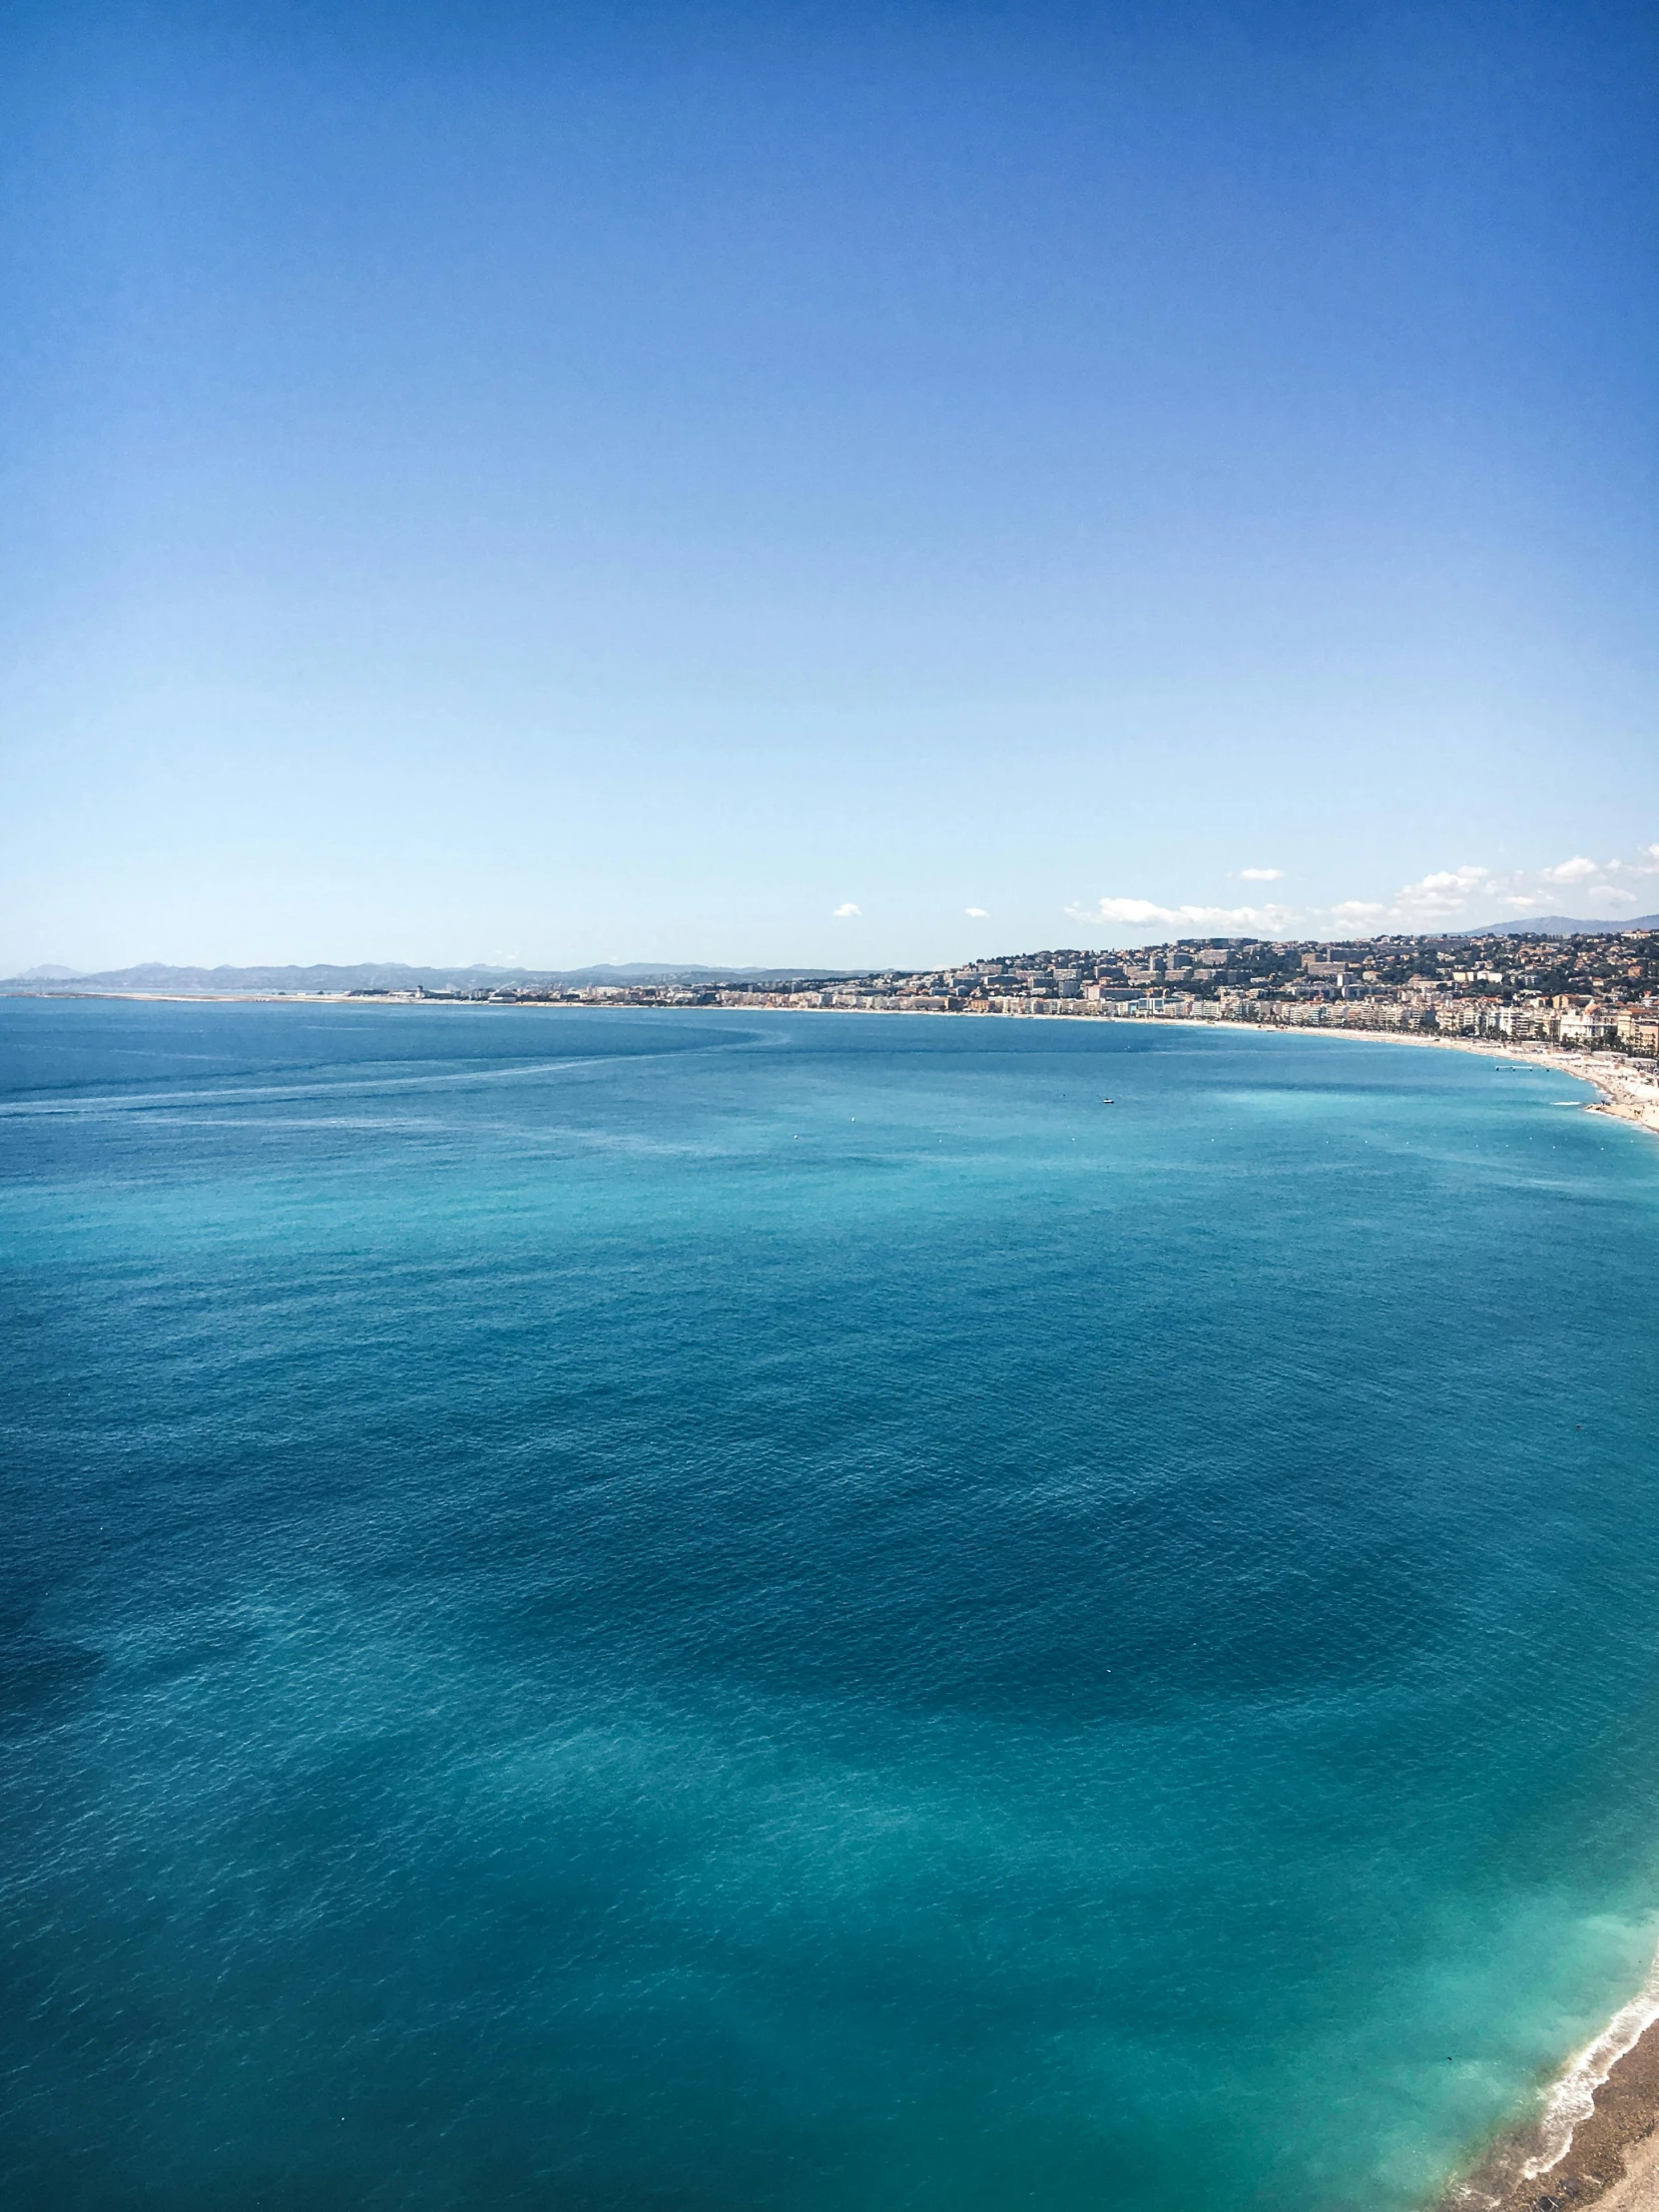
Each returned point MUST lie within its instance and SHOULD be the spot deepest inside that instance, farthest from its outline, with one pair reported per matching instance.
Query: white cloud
(1259, 874)
(1443, 896)
(848, 912)
(1448, 898)
(1116, 913)
(975, 913)
(1598, 890)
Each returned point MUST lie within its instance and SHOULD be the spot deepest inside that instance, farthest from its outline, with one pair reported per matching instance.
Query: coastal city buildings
(1590, 990)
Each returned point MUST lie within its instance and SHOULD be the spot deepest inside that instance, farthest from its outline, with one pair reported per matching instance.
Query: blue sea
(613, 1609)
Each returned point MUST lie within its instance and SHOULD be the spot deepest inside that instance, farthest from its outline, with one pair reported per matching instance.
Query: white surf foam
(1572, 2100)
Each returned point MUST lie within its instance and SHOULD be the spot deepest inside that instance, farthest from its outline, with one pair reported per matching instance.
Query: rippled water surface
(608, 1609)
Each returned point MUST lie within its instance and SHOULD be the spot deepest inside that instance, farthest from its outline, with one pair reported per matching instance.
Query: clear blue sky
(562, 482)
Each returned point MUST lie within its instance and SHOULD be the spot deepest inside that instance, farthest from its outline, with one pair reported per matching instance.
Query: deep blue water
(629, 1610)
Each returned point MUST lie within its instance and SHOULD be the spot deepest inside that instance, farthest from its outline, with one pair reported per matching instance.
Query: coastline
(1607, 2107)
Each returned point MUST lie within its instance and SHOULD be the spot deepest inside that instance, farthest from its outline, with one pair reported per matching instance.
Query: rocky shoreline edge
(1612, 2161)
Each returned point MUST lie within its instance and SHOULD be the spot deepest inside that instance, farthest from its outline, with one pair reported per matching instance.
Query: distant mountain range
(384, 975)
(393, 975)
(1559, 925)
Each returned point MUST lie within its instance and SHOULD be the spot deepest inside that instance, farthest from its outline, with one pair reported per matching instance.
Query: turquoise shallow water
(704, 1610)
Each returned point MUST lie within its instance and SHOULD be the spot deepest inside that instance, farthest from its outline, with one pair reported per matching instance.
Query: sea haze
(710, 1610)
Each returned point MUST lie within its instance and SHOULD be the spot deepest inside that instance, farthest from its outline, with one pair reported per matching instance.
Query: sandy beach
(1630, 1088)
